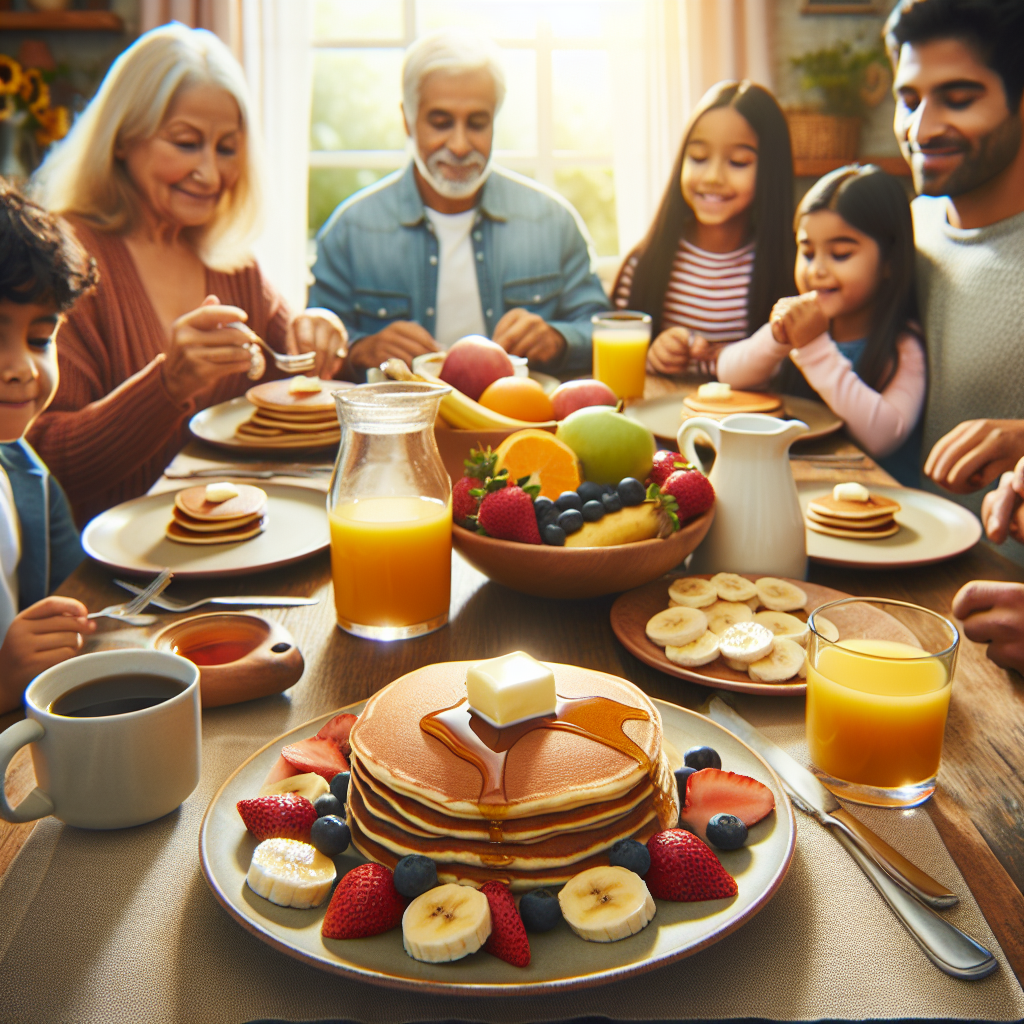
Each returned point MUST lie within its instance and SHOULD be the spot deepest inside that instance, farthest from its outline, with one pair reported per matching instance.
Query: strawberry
(281, 769)
(317, 754)
(692, 490)
(685, 870)
(337, 729)
(712, 791)
(508, 939)
(464, 502)
(364, 903)
(285, 816)
(665, 464)
(506, 513)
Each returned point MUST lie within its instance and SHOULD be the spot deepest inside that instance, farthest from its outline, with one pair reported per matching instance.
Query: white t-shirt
(10, 554)
(459, 311)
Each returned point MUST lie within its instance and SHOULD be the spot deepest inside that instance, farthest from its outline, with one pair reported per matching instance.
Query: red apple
(579, 394)
(473, 363)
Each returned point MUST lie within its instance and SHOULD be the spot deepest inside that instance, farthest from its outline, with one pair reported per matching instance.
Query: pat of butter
(714, 389)
(217, 493)
(510, 689)
(850, 492)
(304, 385)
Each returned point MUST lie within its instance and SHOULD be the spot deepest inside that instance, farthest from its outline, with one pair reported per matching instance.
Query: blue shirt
(377, 260)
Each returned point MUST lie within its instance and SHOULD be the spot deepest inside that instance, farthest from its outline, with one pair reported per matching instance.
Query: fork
(289, 364)
(126, 612)
(169, 604)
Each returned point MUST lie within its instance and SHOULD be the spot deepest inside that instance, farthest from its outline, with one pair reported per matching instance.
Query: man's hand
(993, 613)
(797, 320)
(975, 453)
(1002, 510)
(521, 333)
(404, 339)
(320, 331)
(670, 352)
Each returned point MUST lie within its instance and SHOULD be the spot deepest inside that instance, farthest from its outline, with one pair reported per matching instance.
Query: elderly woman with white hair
(160, 181)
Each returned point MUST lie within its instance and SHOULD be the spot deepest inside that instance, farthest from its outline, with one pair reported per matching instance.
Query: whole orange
(519, 397)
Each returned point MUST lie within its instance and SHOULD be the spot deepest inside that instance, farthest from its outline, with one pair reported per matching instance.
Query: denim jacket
(377, 260)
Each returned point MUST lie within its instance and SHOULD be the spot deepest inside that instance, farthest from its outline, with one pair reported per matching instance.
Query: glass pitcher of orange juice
(391, 513)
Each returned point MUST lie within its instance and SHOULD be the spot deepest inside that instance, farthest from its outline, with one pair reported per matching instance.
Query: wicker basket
(818, 136)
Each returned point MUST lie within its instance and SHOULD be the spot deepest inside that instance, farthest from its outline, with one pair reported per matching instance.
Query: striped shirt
(706, 293)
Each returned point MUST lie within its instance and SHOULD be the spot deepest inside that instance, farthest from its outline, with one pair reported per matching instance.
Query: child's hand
(797, 320)
(670, 352)
(993, 613)
(43, 635)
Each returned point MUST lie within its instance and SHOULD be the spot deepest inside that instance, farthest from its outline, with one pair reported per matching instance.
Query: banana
(779, 595)
(826, 628)
(802, 670)
(676, 626)
(781, 664)
(723, 614)
(309, 785)
(446, 923)
(784, 624)
(701, 651)
(692, 592)
(746, 641)
(633, 523)
(731, 587)
(290, 873)
(753, 603)
(736, 666)
(604, 904)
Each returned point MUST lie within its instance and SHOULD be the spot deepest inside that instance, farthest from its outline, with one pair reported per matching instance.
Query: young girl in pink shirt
(849, 338)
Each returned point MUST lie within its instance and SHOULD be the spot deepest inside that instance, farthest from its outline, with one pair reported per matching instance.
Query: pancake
(309, 426)
(215, 526)
(873, 508)
(735, 401)
(848, 524)
(176, 532)
(249, 502)
(289, 440)
(274, 395)
(874, 533)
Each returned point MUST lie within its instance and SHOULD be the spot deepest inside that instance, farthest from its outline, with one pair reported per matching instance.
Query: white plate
(130, 537)
(559, 960)
(932, 529)
(217, 424)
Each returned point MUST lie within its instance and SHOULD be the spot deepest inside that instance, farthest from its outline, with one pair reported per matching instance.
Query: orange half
(543, 458)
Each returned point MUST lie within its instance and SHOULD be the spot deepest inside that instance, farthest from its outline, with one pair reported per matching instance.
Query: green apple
(609, 445)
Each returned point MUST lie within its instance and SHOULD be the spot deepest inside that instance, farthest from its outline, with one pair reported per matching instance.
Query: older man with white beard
(453, 245)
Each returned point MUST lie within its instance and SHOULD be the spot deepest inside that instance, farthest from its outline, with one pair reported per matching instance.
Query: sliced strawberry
(507, 940)
(337, 729)
(316, 755)
(712, 791)
(284, 816)
(685, 870)
(281, 770)
(364, 903)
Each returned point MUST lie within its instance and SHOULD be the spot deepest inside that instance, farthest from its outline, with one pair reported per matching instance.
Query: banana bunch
(635, 522)
(604, 904)
(290, 873)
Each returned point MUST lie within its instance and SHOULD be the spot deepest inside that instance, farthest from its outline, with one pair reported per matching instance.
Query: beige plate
(664, 416)
(559, 960)
(933, 529)
(130, 537)
(217, 424)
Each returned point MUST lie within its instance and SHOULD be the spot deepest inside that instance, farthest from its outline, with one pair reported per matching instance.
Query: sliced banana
(310, 785)
(753, 603)
(784, 624)
(723, 614)
(780, 595)
(731, 587)
(604, 904)
(783, 663)
(802, 671)
(692, 592)
(677, 626)
(826, 628)
(290, 873)
(736, 666)
(446, 923)
(701, 651)
(746, 641)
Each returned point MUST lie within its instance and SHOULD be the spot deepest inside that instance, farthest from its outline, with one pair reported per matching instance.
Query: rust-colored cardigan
(113, 427)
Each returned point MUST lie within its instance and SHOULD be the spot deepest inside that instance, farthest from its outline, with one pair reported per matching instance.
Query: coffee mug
(112, 770)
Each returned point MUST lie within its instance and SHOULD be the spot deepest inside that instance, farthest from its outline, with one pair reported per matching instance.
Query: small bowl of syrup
(240, 655)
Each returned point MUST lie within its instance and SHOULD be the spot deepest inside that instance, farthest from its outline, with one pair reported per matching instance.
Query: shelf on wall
(894, 165)
(60, 21)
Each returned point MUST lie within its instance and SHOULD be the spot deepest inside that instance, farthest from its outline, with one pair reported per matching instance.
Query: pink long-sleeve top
(879, 421)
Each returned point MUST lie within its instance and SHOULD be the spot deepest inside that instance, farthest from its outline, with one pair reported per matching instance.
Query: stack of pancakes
(857, 520)
(199, 521)
(569, 797)
(733, 402)
(287, 417)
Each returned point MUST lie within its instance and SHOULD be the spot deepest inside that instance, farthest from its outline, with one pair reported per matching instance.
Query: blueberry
(726, 831)
(539, 910)
(571, 520)
(327, 804)
(330, 835)
(592, 511)
(631, 491)
(415, 875)
(553, 534)
(702, 757)
(682, 774)
(568, 500)
(543, 508)
(631, 855)
(339, 786)
(589, 491)
(612, 502)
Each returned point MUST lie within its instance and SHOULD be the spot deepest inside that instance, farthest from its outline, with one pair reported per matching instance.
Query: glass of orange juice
(877, 698)
(619, 340)
(390, 509)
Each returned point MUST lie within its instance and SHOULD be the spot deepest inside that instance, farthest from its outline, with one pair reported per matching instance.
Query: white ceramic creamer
(758, 527)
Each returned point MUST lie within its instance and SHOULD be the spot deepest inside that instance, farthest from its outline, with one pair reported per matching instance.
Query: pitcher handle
(37, 804)
(685, 438)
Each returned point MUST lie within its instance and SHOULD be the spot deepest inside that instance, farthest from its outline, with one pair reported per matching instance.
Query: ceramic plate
(559, 960)
(664, 416)
(130, 537)
(217, 425)
(933, 529)
(632, 610)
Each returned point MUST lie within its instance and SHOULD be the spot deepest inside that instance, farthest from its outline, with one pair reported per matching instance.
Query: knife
(951, 950)
(811, 797)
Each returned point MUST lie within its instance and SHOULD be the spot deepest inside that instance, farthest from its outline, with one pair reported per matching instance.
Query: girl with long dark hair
(719, 251)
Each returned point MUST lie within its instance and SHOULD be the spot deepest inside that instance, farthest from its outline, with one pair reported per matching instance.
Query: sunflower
(54, 124)
(10, 75)
(34, 91)
(7, 106)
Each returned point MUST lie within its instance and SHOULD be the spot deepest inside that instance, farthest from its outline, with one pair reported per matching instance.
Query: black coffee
(116, 695)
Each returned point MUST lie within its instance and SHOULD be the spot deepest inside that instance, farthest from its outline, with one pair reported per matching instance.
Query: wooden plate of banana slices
(730, 631)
